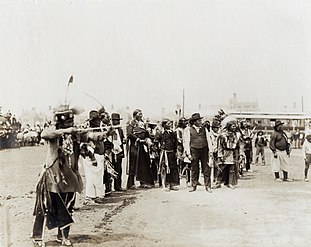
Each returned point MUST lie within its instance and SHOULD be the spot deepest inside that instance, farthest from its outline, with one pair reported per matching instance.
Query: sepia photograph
(167, 123)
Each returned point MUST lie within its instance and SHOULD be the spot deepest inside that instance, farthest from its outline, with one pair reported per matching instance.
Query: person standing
(183, 170)
(280, 148)
(260, 143)
(308, 129)
(247, 136)
(168, 161)
(60, 179)
(230, 151)
(154, 152)
(306, 152)
(196, 149)
(92, 159)
(106, 126)
(118, 140)
(138, 143)
(38, 131)
(212, 147)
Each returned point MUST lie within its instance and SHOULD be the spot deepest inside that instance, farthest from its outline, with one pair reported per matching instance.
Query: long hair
(135, 112)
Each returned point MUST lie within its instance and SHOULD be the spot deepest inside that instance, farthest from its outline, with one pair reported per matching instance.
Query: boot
(286, 179)
(193, 188)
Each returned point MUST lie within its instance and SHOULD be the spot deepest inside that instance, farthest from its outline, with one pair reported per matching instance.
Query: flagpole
(183, 102)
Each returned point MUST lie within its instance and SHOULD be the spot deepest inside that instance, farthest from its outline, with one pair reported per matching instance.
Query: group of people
(98, 148)
(9, 127)
(155, 154)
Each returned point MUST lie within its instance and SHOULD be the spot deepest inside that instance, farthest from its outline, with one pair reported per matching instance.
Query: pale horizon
(142, 54)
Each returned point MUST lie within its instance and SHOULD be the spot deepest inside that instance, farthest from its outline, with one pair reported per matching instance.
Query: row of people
(160, 155)
(191, 145)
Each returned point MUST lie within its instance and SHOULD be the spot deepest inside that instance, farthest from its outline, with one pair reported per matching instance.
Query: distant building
(236, 105)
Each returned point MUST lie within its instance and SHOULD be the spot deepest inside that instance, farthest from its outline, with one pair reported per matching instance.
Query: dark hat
(93, 114)
(116, 116)
(277, 123)
(195, 116)
(260, 132)
(152, 125)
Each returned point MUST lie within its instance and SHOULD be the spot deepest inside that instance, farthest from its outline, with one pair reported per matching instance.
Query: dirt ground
(259, 212)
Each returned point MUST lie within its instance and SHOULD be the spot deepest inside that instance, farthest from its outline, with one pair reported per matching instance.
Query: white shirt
(306, 148)
(186, 140)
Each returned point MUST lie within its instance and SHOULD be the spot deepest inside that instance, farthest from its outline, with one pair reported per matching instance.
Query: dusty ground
(260, 212)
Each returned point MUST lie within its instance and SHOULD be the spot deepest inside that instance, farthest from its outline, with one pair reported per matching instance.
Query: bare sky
(142, 53)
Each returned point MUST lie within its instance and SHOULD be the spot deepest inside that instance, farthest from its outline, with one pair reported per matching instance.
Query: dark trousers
(118, 169)
(200, 155)
(227, 175)
(107, 182)
(57, 215)
(130, 181)
(285, 175)
(248, 156)
(260, 151)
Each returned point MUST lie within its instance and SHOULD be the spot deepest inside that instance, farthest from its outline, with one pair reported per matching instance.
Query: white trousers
(281, 162)
(94, 186)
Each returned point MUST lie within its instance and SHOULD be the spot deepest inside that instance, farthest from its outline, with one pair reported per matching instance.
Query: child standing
(260, 144)
(306, 149)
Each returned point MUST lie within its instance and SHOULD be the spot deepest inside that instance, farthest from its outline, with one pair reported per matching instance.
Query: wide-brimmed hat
(116, 116)
(195, 116)
(278, 123)
(260, 132)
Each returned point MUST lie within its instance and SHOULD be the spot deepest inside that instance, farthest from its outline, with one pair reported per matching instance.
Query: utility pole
(183, 102)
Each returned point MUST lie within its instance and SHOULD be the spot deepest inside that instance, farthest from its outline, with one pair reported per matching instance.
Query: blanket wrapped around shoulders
(140, 132)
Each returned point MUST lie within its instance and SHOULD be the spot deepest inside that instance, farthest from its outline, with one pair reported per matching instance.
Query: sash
(163, 163)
